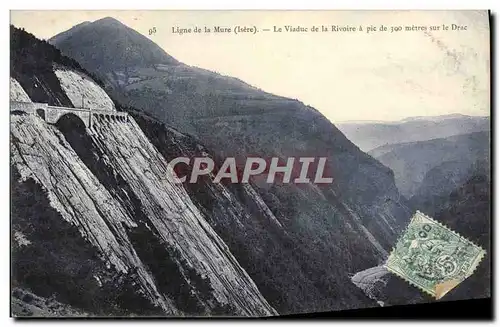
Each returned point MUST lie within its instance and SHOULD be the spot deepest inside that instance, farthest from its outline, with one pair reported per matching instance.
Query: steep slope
(98, 223)
(131, 48)
(17, 92)
(68, 33)
(371, 135)
(32, 67)
(446, 178)
(467, 210)
(117, 226)
(436, 165)
(293, 276)
(83, 91)
(334, 230)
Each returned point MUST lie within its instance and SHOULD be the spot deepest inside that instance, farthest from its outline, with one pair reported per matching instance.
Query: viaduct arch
(52, 114)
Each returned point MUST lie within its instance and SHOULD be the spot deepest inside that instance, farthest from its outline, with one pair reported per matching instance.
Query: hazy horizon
(382, 78)
(367, 121)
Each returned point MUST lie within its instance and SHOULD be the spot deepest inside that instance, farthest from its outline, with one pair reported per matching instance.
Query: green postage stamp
(433, 257)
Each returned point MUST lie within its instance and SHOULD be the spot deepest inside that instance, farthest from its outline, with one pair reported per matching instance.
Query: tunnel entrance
(70, 122)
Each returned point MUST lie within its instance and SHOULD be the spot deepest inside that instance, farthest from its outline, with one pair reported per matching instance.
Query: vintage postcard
(248, 163)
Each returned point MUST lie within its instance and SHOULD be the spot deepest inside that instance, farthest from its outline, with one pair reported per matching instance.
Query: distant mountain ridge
(417, 164)
(441, 117)
(407, 119)
(371, 135)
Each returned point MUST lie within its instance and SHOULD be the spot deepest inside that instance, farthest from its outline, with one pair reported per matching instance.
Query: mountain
(371, 135)
(141, 74)
(340, 228)
(436, 165)
(130, 48)
(98, 228)
(68, 33)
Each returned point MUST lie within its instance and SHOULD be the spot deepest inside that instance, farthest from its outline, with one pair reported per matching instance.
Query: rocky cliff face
(83, 91)
(17, 93)
(126, 223)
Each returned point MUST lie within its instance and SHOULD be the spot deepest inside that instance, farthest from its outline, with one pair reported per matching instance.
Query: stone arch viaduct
(52, 114)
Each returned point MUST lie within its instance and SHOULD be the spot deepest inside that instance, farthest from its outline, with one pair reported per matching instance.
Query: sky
(345, 75)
